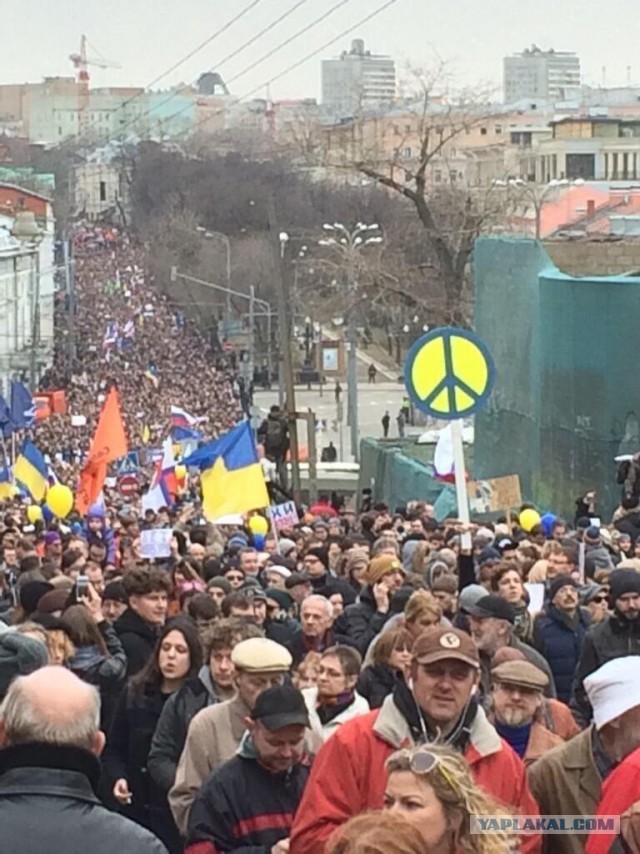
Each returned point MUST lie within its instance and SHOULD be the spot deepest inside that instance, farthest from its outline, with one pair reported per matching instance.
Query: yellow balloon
(258, 525)
(181, 472)
(34, 513)
(60, 500)
(529, 519)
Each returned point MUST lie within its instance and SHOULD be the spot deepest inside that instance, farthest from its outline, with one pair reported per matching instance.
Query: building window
(483, 131)
(498, 130)
(406, 152)
(437, 176)
(103, 191)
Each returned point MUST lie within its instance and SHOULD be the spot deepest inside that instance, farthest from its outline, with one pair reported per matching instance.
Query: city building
(592, 148)
(27, 284)
(357, 80)
(544, 75)
(470, 148)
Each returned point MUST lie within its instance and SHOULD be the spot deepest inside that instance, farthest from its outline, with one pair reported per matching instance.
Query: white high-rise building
(357, 80)
(541, 75)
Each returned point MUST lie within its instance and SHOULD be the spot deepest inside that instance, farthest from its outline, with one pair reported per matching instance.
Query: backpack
(276, 434)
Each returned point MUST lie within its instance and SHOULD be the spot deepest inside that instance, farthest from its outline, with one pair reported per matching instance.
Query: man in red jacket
(348, 774)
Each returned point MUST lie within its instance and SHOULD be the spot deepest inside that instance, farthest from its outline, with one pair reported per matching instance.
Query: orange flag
(109, 443)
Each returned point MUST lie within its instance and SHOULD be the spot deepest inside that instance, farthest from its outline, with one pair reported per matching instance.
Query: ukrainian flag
(31, 471)
(7, 489)
(231, 474)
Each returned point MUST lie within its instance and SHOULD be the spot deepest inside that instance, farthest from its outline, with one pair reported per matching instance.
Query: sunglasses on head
(424, 762)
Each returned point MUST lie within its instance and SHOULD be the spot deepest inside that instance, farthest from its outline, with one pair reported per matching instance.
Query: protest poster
(284, 515)
(495, 494)
(155, 543)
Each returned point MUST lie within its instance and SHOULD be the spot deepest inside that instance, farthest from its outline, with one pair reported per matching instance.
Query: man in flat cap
(437, 704)
(516, 699)
(215, 732)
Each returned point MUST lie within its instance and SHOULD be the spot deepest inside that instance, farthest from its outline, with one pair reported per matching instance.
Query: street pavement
(373, 400)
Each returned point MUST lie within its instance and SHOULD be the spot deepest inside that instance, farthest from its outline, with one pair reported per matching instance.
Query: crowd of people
(117, 328)
(367, 681)
(273, 695)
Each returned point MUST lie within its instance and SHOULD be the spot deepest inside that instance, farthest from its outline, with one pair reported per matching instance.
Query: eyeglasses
(599, 599)
(234, 577)
(423, 762)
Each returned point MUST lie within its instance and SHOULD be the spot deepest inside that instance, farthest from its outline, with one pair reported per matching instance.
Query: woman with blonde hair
(421, 612)
(433, 787)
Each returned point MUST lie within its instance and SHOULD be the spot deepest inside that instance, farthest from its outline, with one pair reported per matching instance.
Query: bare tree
(411, 155)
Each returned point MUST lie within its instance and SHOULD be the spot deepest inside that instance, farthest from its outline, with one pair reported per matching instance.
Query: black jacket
(376, 682)
(47, 803)
(299, 645)
(629, 524)
(362, 622)
(242, 807)
(614, 637)
(126, 756)
(171, 730)
(138, 639)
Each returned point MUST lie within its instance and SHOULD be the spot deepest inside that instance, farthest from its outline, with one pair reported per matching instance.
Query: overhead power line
(294, 65)
(226, 59)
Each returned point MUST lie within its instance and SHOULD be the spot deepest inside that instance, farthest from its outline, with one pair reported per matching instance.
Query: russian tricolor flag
(165, 476)
(181, 418)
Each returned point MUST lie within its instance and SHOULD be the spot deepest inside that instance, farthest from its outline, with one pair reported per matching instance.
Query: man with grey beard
(516, 699)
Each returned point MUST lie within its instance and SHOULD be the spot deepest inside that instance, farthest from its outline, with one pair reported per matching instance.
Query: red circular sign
(128, 485)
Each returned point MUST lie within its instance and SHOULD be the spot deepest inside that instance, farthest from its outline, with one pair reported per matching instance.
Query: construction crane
(81, 63)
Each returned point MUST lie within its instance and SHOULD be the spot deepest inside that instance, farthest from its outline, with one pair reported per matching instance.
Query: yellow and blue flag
(31, 471)
(6, 484)
(231, 474)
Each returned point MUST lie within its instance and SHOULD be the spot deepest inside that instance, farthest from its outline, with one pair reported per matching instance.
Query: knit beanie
(558, 582)
(356, 557)
(379, 567)
(623, 581)
(19, 656)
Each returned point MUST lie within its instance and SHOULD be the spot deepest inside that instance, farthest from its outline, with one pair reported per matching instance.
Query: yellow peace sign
(449, 373)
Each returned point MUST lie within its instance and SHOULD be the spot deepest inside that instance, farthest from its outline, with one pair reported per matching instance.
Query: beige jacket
(213, 738)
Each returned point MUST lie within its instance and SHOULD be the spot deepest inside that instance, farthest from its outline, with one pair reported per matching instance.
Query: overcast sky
(147, 37)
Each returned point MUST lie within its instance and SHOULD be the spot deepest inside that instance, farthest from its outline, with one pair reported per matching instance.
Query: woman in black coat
(177, 657)
(391, 661)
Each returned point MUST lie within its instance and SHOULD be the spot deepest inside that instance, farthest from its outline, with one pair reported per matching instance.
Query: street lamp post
(351, 243)
(538, 195)
(227, 244)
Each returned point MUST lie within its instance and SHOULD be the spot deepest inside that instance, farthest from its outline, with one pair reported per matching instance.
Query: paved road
(373, 401)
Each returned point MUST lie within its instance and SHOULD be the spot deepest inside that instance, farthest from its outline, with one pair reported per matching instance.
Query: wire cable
(294, 65)
(227, 58)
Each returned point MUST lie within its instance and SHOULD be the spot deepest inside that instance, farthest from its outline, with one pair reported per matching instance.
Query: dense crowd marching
(272, 694)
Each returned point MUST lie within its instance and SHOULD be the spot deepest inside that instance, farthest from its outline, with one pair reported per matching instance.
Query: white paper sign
(78, 420)
(156, 542)
(284, 515)
(536, 597)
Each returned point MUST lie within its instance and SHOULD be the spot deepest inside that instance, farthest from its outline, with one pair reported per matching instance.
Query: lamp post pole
(351, 243)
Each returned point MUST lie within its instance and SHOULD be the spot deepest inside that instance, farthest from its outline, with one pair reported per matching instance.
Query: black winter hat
(623, 581)
(560, 581)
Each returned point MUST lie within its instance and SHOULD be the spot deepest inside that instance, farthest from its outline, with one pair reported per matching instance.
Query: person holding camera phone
(99, 658)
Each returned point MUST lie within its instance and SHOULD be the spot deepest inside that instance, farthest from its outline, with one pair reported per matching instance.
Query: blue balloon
(47, 515)
(258, 541)
(547, 522)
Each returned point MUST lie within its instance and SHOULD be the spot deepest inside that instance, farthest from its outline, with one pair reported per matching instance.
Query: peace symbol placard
(449, 373)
